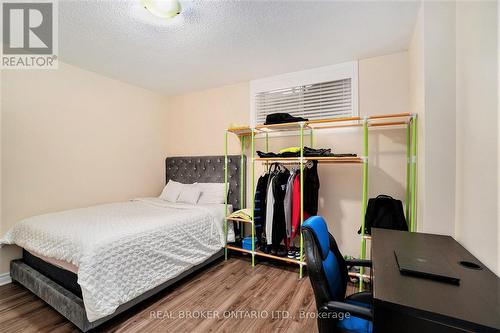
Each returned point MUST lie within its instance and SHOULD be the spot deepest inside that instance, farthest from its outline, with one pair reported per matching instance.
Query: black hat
(281, 118)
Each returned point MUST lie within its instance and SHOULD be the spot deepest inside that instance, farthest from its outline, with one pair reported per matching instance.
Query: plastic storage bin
(247, 243)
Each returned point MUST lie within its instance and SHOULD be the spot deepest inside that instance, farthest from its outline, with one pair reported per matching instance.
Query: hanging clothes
(287, 202)
(311, 189)
(295, 206)
(278, 232)
(260, 206)
(277, 205)
(310, 196)
(269, 210)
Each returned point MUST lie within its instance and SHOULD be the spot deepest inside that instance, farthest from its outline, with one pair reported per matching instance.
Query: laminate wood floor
(229, 296)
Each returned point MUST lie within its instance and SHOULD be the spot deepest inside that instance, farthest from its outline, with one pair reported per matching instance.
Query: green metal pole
(225, 197)
(242, 181)
(253, 195)
(301, 198)
(408, 169)
(413, 210)
(364, 198)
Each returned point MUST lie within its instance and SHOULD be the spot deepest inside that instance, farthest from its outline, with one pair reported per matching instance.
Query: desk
(411, 304)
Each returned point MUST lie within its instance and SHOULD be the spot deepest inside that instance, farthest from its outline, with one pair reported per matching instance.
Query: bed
(92, 264)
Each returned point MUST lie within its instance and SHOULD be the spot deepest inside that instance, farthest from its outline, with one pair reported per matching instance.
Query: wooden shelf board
(241, 131)
(266, 255)
(358, 275)
(295, 126)
(286, 259)
(396, 119)
(320, 159)
(236, 248)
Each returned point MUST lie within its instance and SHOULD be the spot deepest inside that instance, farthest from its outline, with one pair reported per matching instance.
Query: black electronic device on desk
(425, 265)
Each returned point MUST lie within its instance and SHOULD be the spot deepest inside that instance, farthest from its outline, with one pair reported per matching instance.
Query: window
(326, 92)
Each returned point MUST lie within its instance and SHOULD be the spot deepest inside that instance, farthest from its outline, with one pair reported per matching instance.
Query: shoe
(265, 248)
(297, 255)
(281, 252)
(353, 269)
(291, 254)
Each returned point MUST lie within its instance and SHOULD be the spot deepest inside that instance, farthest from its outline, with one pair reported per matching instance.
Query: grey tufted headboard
(208, 169)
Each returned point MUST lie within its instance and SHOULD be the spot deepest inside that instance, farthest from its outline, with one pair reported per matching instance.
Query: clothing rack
(407, 120)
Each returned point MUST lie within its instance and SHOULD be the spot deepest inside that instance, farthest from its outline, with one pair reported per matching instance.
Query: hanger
(309, 164)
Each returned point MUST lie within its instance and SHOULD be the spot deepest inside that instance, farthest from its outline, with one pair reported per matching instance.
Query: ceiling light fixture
(162, 8)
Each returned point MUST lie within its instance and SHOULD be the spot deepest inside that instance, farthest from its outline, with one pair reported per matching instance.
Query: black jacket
(311, 189)
(260, 206)
(279, 189)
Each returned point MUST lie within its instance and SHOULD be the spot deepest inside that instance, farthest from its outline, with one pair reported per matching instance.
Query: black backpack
(384, 212)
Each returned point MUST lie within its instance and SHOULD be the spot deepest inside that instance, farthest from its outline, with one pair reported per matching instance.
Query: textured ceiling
(213, 43)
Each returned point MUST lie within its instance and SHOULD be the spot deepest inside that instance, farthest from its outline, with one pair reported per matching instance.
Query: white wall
(477, 130)
(432, 97)
(453, 70)
(72, 138)
(439, 122)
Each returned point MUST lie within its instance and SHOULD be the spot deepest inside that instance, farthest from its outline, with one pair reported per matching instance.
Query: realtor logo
(29, 33)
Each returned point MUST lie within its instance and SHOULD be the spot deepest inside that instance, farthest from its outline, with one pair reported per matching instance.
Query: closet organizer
(306, 129)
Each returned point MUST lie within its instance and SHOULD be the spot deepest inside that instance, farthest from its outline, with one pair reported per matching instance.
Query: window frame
(311, 76)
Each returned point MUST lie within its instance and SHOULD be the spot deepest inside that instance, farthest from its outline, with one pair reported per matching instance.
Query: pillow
(212, 193)
(171, 191)
(190, 194)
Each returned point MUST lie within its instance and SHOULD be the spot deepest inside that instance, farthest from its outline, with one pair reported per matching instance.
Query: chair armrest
(365, 297)
(353, 310)
(359, 262)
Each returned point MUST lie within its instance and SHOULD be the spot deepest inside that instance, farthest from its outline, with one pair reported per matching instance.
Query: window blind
(331, 99)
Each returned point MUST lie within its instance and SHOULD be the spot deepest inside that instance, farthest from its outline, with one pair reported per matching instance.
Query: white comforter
(124, 249)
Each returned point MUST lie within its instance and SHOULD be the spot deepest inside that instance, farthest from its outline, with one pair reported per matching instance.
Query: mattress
(66, 279)
(54, 262)
(124, 249)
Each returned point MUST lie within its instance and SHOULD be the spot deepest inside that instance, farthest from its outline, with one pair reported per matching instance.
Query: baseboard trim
(5, 279)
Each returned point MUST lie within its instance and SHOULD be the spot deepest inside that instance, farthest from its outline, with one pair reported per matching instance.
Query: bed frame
(30, 270)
